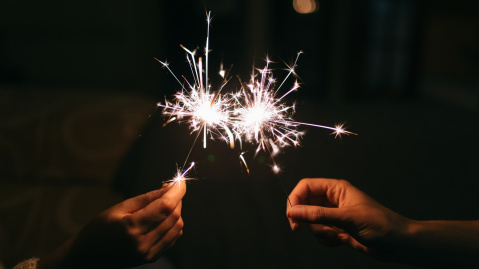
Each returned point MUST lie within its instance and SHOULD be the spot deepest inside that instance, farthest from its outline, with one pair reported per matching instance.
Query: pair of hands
(140, 229)
(133, 232)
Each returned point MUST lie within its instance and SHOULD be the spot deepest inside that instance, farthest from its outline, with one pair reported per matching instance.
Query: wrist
(412, 248)
(396, 244)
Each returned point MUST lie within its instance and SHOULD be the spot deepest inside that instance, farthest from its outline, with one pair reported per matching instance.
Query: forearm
(441, 243)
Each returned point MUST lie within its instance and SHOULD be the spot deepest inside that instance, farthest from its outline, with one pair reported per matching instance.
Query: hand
(337, 213)
(133, 232)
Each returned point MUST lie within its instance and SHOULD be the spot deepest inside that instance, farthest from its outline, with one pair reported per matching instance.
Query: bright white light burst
(255, 114)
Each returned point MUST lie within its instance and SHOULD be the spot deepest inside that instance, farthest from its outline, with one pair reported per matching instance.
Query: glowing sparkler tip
(180, 176)
(208, 17)
(339, 130)
(164, 63)
(276, 169)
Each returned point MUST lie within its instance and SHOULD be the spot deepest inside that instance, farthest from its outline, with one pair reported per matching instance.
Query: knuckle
(131, 226)
(167, 206)
(176, 214)
(133, 233)
(143, 251)
(344, 182)
(128, 221)
(304, 181)
(317, 214)
(179, 224)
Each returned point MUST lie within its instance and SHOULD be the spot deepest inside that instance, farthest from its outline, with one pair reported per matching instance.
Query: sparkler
(196, 104)
(254, 114)
(262, 118)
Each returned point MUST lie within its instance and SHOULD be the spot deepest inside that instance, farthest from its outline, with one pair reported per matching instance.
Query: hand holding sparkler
(133, 232)
(337, 213)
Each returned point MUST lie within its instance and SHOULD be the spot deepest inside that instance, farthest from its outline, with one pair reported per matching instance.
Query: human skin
(133, 232)
(337, 214)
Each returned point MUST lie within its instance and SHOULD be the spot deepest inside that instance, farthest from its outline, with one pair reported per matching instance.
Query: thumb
(338, 217)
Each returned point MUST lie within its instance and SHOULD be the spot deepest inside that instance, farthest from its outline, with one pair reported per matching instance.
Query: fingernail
(294, 227)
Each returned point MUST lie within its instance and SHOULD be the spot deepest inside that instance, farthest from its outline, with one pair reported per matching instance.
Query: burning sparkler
(203, 109)
(255, 114)
(262, 118)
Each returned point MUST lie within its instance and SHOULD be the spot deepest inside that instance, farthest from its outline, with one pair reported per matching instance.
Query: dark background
(79, 127)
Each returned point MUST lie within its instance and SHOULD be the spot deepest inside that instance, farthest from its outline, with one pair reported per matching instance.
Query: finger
(319, 228)
(353, 243)
(295, 225)
(322, 191)
(328, 236)
(136, 203)
(339, 217)
(157, 229)
(169, 239)
(160, 233)
(161, 208)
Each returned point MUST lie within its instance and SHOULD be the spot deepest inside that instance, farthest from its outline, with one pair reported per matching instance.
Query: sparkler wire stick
(291, 71)
(208, 19)
(284, 188)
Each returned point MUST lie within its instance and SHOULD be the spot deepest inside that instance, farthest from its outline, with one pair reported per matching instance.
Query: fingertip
(296, 226)
(295, 212)
(181, 185)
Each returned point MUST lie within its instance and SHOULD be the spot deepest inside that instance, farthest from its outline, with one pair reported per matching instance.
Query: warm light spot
(305, 6)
